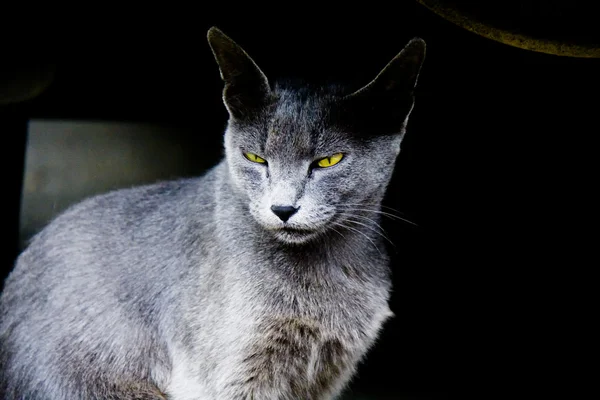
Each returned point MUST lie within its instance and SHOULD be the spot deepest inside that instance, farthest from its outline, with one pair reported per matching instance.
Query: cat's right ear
(246, 86)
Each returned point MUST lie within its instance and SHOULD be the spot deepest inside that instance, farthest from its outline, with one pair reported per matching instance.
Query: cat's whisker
(375, 204)
(338, 232)
(362, 207)
(365, 218)
(373, 229)
(383, 213)
(381, 232)
(362, 233)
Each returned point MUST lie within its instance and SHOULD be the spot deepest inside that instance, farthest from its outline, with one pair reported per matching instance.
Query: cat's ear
(246, 86)
(400, 74)
(388, 99)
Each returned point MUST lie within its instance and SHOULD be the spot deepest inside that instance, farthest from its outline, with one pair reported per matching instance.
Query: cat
(263, 279)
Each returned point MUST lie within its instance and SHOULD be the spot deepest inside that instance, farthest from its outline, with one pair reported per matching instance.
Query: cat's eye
(254, 158)
(330, 161)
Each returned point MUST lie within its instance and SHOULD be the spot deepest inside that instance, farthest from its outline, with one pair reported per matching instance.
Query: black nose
(284, 212)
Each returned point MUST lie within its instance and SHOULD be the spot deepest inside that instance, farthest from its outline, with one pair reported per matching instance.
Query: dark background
(496, 167)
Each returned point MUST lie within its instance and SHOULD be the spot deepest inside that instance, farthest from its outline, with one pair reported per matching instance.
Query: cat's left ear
(400, 74)
(246, 86)
(385, 103)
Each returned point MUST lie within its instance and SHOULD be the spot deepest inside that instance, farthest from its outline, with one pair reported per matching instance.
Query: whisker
(338, 232)
(375, 204)
(365, 218)
(369, 227)
(385, 214)
(362, 233)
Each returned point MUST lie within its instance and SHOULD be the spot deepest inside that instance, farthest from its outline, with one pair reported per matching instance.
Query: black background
(496, 167)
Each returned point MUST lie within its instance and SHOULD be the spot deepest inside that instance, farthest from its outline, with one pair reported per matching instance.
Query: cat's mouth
(293, 235)
(300, 231)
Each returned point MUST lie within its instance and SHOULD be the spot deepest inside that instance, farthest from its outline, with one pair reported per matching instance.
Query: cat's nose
(284, 212)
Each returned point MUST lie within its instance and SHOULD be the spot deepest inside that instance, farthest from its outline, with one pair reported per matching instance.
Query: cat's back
(132, 227)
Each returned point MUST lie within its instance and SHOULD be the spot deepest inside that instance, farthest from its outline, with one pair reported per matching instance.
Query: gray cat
(264, 279)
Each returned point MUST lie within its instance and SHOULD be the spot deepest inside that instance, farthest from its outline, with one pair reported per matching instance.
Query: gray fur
(191, 289)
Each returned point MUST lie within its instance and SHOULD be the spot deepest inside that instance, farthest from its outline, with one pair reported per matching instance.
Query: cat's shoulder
(156, 205)
(131, 200)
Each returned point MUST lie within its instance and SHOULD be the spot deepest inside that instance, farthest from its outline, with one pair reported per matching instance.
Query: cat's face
(303, 176)
(308, 162)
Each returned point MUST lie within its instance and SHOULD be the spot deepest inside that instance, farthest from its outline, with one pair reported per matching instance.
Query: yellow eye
(254, 158)
(330, 161)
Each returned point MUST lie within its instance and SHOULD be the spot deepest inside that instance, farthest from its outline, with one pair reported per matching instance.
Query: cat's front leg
(291, 358)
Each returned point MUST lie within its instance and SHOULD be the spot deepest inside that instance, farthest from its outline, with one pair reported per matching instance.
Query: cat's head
(310, 160)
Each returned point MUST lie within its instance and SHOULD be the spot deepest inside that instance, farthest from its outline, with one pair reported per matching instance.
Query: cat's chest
(284, 332)
(343, 296)
(309, 338)
(336, 300)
